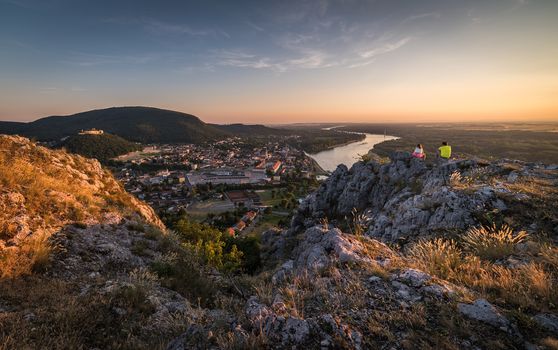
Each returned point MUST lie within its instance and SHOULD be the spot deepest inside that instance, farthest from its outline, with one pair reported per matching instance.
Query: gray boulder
(482, 310)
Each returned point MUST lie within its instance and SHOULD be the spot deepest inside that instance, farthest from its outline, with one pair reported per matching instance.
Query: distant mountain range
(139, 124)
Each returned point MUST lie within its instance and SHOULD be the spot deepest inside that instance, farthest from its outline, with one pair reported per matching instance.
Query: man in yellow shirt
(444, 152)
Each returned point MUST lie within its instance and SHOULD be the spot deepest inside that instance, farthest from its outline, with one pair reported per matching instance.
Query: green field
(199, 211)
(266, 197)
(265, 223)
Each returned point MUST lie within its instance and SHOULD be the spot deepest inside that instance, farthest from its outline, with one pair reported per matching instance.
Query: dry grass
(231, 341)
(358, 222)
(61, 318)
(439, 257)
(549, 255)
(264, 290)
(492, 243)
(455, 179)
(31, 255)
(530, 286)
(44, 190)
(550, 343)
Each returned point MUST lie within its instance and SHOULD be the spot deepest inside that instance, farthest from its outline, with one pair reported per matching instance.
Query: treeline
(314, 141)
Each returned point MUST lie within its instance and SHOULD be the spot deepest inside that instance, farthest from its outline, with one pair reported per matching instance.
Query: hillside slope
(140, 124)
(389, 255)
(469, 262)
(74, 255)
(102, 147)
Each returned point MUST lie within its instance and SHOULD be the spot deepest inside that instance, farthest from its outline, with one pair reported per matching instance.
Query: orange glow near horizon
(523, 99)
(305, 62)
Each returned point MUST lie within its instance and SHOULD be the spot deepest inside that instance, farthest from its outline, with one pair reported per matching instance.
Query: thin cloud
(305, 58)
(239, 59)
(254, 26)
(422, 16)
(87, 59)
(159, 27)
(385, 48)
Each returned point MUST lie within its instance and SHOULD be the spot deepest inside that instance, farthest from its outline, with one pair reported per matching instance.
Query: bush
(250, 248)
(491, 243)
(212, 252)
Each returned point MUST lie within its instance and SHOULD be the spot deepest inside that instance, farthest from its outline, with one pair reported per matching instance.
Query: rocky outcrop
(44, 190)
(69, 226)
(407, 197)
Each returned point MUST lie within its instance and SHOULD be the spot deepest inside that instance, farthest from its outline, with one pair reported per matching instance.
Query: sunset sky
(283, 61)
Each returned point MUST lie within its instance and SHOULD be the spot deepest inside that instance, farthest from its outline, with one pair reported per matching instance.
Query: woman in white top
(419, 152)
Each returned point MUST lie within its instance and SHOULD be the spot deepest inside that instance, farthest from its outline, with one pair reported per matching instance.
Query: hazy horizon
(334, 123)
(265, 62)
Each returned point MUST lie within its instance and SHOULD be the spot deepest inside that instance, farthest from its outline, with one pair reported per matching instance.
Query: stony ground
(402, 275)
(386, 255)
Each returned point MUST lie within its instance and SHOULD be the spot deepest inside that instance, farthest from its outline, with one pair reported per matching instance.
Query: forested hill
(153, 125)
(103, 147)
(140, 124)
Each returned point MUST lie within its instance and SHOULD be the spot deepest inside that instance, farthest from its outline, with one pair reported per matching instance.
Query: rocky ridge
(347, 273)
(336, 286)
(75, 256)
(408, 198)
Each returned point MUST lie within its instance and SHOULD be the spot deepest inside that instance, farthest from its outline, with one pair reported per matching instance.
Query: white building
(91, 132)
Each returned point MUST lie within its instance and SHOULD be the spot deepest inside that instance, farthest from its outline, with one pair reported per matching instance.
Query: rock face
(328, 283)
(313, 253)
(45, 190)
(407, 198)
(66, 222)
(323, 251)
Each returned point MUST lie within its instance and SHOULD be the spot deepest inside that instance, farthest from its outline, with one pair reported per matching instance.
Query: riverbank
(348, 154)
(508, 141)
(318, 170)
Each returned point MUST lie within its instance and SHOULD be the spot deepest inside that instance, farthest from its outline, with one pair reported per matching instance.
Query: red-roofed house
(239, 226)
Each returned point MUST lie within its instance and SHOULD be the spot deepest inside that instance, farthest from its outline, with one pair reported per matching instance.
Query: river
(348, 154)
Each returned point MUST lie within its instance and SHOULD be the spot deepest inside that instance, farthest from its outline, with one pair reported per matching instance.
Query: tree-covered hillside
(140, 124)
(103, 147)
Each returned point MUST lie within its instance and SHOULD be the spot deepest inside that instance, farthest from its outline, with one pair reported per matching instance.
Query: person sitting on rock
(419, 152)
(444, 152)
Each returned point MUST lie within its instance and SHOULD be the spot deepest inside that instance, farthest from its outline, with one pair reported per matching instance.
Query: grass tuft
(491, 243)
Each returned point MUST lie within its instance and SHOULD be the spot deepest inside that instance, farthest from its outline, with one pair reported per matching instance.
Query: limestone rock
(482, 310)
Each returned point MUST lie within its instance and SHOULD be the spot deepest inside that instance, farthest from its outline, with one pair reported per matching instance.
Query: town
(229, 184)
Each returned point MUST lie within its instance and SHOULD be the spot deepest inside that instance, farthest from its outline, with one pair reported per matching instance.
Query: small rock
(29, 316)
(296, 330)
(482, 310)
(513, 176)
(284, 272)
(415, 277)
(438, 290)
(119, 311)
(548, 322)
